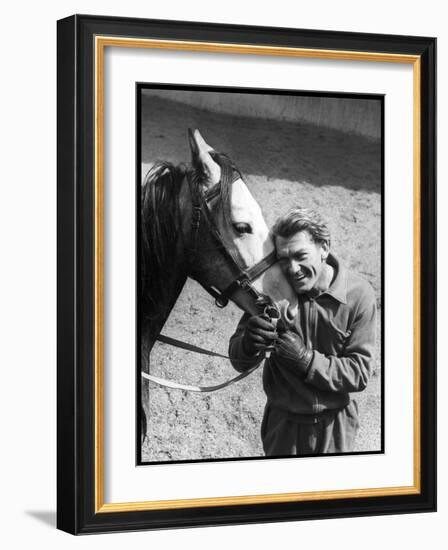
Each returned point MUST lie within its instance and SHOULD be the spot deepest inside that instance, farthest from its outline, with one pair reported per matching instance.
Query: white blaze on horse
(202, 222)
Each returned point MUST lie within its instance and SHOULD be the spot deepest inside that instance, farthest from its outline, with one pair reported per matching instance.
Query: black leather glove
(290, 351)
(259, 335)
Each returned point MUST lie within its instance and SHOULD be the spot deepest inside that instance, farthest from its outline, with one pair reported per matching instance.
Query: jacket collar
(338, 287)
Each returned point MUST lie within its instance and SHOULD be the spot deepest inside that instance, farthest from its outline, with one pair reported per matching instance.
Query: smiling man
(320, 357)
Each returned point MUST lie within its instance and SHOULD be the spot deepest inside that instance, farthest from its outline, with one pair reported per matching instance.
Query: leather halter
(201, 210)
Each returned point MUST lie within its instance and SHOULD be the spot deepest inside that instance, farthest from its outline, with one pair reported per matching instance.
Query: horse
(201, 221)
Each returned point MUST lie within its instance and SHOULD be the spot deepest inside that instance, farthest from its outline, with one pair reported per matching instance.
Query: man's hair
(302, 219)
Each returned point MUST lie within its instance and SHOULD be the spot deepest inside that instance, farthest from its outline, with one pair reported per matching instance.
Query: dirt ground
(284, 164)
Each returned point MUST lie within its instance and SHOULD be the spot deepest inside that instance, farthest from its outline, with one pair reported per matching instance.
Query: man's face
(301, 259)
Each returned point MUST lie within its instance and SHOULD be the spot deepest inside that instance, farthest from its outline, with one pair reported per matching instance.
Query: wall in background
(359, 116)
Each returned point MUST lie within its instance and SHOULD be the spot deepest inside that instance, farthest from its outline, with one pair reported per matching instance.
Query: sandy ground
(284, 164)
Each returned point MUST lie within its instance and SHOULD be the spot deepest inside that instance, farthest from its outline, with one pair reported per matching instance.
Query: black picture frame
(80, 504)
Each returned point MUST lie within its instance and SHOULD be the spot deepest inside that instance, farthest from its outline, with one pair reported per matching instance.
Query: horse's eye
(242, 228)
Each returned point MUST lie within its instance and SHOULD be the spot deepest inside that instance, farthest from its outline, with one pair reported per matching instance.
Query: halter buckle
(221, 301)
(244, 283)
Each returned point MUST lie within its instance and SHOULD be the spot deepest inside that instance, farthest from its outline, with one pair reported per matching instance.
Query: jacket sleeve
(239, 359)
(350, 371)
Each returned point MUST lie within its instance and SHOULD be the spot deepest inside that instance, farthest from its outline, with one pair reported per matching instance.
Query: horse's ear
(193, 146)
(201, 158)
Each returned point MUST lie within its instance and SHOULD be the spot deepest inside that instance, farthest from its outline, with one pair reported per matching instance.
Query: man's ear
(325, 250)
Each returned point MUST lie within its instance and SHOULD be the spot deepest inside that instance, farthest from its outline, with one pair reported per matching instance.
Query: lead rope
(199, 389)
(269, 310)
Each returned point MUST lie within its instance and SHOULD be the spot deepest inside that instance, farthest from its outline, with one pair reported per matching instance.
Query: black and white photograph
(260, 292)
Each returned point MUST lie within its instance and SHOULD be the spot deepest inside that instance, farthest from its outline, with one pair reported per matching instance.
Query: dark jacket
(339, 325)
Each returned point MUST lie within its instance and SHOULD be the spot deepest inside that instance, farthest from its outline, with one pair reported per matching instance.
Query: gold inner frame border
(101, 42)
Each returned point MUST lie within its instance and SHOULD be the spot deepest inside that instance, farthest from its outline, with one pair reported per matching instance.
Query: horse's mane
(161, 221)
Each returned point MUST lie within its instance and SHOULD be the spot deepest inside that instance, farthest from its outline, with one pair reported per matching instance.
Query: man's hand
(290, 351)
(260, 334)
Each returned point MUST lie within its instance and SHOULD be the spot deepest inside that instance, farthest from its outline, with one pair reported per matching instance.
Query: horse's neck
(151, 328)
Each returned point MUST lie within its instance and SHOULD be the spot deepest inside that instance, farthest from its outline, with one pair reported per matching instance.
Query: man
(319, 357)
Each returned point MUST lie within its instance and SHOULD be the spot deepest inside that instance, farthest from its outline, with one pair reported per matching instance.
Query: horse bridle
(201, 209)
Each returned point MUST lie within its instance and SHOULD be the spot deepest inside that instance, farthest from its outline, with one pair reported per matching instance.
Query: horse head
(234, 252)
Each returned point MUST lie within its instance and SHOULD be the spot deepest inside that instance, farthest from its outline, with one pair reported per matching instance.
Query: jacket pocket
(339, 333)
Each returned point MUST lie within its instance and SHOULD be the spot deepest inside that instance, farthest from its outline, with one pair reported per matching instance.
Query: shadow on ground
(305, 152)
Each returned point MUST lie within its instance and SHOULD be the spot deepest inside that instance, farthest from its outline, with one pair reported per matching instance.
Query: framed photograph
(246, 274)
(294, 163)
